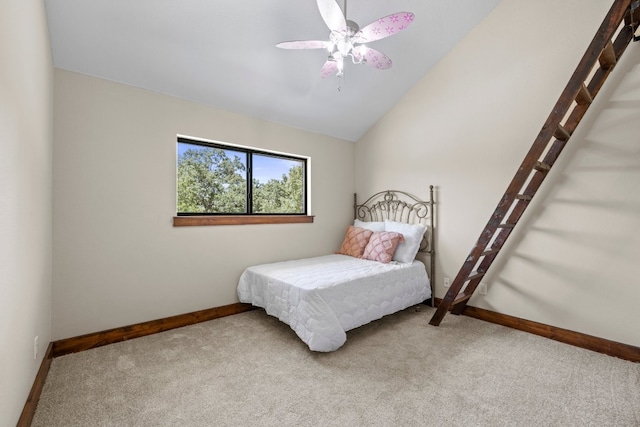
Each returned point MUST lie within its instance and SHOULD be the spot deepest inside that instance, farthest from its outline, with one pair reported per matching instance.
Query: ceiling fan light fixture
(340, 65)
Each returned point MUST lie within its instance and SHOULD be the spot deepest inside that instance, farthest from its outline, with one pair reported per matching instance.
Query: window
(213, 179)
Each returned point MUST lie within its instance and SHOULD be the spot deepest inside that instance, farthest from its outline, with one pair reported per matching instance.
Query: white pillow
(413, 234)
(369, 225)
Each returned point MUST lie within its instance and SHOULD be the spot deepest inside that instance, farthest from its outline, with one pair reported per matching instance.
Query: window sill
(186, 221)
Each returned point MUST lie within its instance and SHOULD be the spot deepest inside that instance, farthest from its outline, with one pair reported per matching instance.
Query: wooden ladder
(611, 40)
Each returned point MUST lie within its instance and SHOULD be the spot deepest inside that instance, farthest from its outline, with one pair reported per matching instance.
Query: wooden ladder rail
(602, 52)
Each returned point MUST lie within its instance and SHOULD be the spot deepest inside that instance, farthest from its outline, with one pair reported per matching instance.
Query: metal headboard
(403, 207)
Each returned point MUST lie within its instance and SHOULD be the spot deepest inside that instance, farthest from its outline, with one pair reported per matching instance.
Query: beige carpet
(250, 369)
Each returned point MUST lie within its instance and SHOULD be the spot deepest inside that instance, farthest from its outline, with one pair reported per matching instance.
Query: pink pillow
(355, 241)
(382, 245)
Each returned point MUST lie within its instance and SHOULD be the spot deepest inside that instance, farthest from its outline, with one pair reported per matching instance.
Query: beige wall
(573, 261)
(25, 199)
(118, 260)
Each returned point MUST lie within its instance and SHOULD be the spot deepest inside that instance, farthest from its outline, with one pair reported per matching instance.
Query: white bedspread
(321, 298)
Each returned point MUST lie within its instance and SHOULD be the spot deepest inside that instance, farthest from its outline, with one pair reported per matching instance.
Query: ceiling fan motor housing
(352, 27)
(343, 46)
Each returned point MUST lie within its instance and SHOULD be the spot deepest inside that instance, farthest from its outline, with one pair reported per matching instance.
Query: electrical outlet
(447, 282)
(35, 348)
(482, 288)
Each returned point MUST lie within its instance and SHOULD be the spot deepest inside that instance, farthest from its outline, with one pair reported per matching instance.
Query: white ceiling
(222, 53)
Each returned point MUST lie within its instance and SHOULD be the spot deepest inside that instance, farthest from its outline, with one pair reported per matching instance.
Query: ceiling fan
(347, 39)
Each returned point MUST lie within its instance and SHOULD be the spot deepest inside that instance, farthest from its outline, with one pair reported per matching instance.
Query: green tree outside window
(213, 180)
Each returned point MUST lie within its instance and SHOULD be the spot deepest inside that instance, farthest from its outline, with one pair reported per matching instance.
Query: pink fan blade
(375, 58)
(332, 15)
(304, 44)
(384, 27)
(329, 68)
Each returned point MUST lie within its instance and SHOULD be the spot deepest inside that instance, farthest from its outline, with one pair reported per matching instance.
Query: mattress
(322, 298)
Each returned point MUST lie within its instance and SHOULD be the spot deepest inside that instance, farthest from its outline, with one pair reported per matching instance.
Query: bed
(378, 270)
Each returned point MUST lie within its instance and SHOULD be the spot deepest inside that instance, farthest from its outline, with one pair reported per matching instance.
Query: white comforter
(321, 298)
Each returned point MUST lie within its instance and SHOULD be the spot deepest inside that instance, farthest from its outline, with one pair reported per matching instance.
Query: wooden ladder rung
(608, 56)
(561, 133)
(584, 96)
(461, 297)
(476, 275)
(542, 167)
(490, 252)
(523, 197)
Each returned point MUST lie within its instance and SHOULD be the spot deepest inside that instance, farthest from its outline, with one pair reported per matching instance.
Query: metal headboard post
(432, 240)
(400, 206)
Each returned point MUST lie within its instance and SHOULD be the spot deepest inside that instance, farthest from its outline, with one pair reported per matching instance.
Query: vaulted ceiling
(222, 53)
